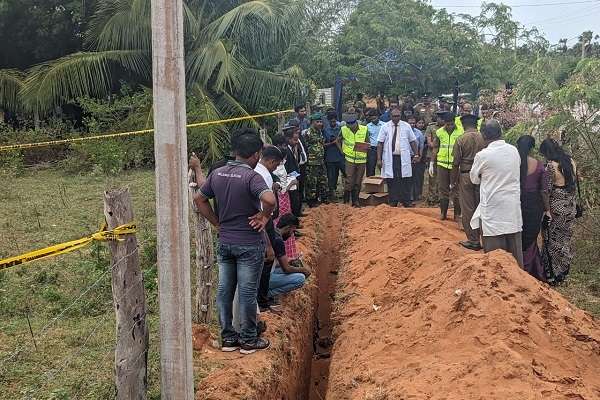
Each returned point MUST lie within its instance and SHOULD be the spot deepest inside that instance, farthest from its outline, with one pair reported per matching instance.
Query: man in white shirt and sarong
(396, 139)
(497, 170)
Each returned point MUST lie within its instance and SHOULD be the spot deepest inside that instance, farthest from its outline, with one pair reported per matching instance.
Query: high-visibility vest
(445, 158)
(350, 139)
(459, 125)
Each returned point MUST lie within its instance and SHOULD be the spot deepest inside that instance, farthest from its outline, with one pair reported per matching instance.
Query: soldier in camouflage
(316, 177)
(426, 109)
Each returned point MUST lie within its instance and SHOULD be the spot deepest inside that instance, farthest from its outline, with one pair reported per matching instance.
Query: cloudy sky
(556, 18)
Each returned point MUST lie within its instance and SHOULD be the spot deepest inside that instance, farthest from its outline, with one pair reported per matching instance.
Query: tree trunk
(203, 240)
(131, 352)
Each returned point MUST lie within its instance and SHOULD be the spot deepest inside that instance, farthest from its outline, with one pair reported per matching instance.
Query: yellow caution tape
(132, 133)
(67, 247)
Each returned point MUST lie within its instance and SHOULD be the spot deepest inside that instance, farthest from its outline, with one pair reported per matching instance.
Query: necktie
(394, 138)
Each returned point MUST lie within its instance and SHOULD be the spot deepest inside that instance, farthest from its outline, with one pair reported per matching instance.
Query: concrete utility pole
(172, 208)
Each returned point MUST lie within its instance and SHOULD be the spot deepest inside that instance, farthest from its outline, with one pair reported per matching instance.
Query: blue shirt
(304, 123)
(420, 141)
(374, 132)
(332, 152)
(386, 116)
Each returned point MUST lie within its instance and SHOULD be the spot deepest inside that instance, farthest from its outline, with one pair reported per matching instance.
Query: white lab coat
(386, 134)
(497, 169)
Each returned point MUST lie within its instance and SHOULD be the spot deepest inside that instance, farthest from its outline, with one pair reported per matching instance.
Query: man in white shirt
(496, 168)
(396, 139)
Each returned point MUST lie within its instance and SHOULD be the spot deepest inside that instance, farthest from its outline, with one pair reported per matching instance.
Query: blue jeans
(239, 266)
(281, 282)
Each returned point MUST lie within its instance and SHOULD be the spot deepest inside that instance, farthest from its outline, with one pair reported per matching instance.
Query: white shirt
(497, 169)
(404, 137)
(264, 172)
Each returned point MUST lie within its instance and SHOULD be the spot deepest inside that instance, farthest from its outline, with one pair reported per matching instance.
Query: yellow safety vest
(459, 125)
(350, 139)
(445, 158)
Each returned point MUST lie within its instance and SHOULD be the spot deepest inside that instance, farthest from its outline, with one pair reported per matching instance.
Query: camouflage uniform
(427, 112)
(432, 197)
(316, 176)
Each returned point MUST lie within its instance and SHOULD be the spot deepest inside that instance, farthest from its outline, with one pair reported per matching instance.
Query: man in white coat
(497, 169)
(396, 139)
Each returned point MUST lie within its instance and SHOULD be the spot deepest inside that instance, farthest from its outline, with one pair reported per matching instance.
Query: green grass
(583, 285)
(74, 355)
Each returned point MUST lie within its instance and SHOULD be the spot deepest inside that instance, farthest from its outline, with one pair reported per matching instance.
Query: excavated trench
(415, 316)
(326, 270)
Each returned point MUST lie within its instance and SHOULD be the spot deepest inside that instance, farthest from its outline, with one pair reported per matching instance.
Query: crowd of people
(502, 196)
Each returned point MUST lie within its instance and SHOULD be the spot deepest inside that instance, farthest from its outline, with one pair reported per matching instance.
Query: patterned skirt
(557, 252)
(291, 251)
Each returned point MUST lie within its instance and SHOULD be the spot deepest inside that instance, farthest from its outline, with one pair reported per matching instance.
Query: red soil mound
(418, 317)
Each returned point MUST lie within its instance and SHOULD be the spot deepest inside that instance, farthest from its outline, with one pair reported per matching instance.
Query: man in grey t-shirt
(239, 191)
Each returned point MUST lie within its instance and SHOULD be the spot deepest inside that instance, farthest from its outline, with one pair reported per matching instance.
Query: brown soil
(415, 316)
(329, 243)
(421, 318)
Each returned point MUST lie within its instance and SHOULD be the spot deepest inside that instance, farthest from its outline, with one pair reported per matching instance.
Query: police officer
(442, 158)
(315, 188)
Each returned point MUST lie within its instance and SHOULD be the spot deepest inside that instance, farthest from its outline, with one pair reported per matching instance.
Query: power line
(567, 18)
(524, 5)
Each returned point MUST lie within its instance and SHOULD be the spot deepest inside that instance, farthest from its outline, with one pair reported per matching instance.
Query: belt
(465, 172)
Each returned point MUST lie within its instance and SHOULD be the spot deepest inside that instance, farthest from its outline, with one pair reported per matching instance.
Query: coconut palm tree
(11, 83)
(232, 48)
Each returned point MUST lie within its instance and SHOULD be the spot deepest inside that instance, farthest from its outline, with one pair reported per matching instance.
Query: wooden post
(280, 122)
(263, 135)
(172, 208)
(205, 258)
(131, 351)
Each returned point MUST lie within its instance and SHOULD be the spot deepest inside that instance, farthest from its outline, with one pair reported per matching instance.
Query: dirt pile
(418, 317)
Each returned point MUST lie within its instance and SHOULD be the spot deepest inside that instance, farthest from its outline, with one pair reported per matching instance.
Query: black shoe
(471, 245)
(253, 347)
(264, 308)
(229, 345)
(408, 205)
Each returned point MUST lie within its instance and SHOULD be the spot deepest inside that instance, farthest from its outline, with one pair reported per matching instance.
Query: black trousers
(333, 173)
(371, 161)
(302, 181)
(262, 296)
(399, 188)
(295, 202)
(418, 180)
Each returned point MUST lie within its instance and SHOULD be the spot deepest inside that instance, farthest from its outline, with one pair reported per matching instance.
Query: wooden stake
(203, 239)
(131, 369)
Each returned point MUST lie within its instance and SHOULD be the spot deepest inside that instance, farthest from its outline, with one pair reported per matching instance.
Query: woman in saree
(557, 232)
(534, 202)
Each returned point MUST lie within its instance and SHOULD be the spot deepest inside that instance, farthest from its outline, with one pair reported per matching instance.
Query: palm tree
(232, 48)
(11, 83)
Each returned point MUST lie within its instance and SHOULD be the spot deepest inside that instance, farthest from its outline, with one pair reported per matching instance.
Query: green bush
(11, 163)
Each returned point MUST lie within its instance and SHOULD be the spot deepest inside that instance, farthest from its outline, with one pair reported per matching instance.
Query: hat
(316, 116)
(350, 118)
(448, 116)
(293, 123)
(469, 119)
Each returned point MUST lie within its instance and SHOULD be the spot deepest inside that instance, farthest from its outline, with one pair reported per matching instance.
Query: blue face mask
(351, 122)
